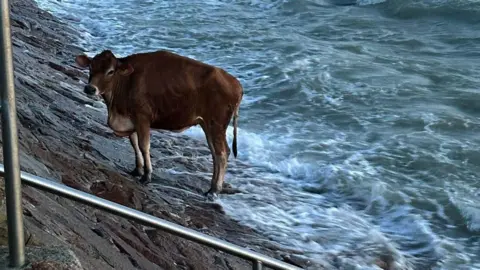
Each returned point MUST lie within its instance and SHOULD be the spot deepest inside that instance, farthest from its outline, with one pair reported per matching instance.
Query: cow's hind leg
(138, 171)
(143, 131)
(219, 142)
(225, 184)
(208, 135)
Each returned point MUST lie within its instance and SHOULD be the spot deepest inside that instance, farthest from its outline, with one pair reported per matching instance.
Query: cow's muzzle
(90, 90)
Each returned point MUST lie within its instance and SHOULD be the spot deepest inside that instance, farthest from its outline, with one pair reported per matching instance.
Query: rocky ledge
(63, 136)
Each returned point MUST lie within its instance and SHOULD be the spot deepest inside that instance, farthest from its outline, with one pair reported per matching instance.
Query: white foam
(369, 2)
(468, 207)
(273, 203)
(314, 228)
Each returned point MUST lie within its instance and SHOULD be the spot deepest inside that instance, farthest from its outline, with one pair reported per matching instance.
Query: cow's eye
(110, 72)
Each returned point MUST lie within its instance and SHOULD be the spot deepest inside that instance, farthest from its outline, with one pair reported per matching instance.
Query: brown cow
(163, 90)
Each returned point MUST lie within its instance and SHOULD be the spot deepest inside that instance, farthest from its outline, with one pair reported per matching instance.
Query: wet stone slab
(43, 258)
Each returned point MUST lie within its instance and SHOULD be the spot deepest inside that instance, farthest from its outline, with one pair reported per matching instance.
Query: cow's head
(104, 69)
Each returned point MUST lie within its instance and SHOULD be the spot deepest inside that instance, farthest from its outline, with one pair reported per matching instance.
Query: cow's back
(178, 88)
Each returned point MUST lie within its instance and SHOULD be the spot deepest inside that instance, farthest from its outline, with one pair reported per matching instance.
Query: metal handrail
(13, 185)
(257, 259)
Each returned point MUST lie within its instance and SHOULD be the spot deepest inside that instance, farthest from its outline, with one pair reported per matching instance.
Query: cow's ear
(82, 61)
(125, 69)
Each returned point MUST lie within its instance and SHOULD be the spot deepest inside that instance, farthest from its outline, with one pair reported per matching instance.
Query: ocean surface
(360, 123)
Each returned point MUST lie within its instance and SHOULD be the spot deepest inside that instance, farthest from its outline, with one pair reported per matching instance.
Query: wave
(466, 209)
(461, 10)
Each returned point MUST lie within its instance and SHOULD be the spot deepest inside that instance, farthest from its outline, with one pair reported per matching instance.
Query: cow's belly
(121, 125)
(179, 125)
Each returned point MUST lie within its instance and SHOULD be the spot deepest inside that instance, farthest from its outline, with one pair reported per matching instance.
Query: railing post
(257, 265)
(13, 190)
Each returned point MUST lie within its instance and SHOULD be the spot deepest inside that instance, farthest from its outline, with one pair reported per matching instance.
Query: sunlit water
(359, 123)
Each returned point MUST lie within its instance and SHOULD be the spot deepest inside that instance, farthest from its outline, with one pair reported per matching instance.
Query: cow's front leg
(138, 171)
(143, 131)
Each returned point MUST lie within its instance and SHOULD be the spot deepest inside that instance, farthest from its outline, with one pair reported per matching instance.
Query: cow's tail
(235, 124)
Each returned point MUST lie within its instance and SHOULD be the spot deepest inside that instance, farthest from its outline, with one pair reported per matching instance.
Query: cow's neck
(109, 101)
(115, 106)
(108, 98)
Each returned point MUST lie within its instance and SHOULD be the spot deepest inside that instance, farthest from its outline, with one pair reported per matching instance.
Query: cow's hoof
(210, 195)
(146, 178)
(136, 172)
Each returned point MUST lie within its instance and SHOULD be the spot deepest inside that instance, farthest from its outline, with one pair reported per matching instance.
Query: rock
(100, 105)
(70, 181)
(20, 21)
(45, 258)
(117, 193)
(34, 166)
(49, 265)
(73, 73)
